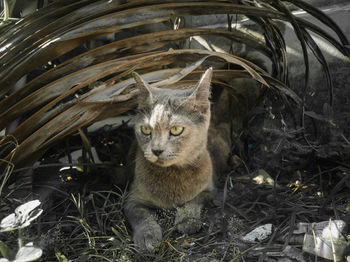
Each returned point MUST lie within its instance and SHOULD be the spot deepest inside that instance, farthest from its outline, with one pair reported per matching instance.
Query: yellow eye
(176, 130)
(146, 130)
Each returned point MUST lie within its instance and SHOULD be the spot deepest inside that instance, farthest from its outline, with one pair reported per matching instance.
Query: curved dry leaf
(62, 39)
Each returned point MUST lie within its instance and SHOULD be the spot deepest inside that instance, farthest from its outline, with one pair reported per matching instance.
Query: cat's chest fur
(167, 187)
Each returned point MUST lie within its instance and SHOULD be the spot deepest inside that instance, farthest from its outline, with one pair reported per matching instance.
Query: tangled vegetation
(67, 67)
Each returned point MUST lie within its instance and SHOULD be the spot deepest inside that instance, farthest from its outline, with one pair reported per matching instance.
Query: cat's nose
(157, 152)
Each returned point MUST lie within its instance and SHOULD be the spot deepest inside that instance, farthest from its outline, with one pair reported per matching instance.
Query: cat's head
(171, 124)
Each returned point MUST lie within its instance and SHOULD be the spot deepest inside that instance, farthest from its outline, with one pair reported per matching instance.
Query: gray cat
(173, 165)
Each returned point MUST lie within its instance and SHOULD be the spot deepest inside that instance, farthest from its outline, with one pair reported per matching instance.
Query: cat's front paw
(188, 219)
(147, 235)
(189, 226)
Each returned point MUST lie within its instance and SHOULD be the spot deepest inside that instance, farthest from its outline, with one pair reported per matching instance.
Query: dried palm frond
(59, 101)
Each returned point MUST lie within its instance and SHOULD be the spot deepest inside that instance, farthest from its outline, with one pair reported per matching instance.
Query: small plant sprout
(21, 218)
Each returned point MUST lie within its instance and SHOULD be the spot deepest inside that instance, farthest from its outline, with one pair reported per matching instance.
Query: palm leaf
(137, 44)
(324, 34)
(321, 17)
(59, 102)
(48, 125)
(64, 37)
(298, 31)
(320, 57)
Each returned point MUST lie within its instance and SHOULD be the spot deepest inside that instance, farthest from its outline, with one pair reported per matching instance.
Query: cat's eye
(146, 130)
(176, 130)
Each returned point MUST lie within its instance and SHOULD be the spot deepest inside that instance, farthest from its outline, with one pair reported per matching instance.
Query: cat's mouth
(161, 161)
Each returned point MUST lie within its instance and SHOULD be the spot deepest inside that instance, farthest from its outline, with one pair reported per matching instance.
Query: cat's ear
(201, 92)
(144, 87)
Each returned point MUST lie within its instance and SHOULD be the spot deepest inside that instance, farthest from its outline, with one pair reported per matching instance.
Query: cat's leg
(146, 230)
(188, 217)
